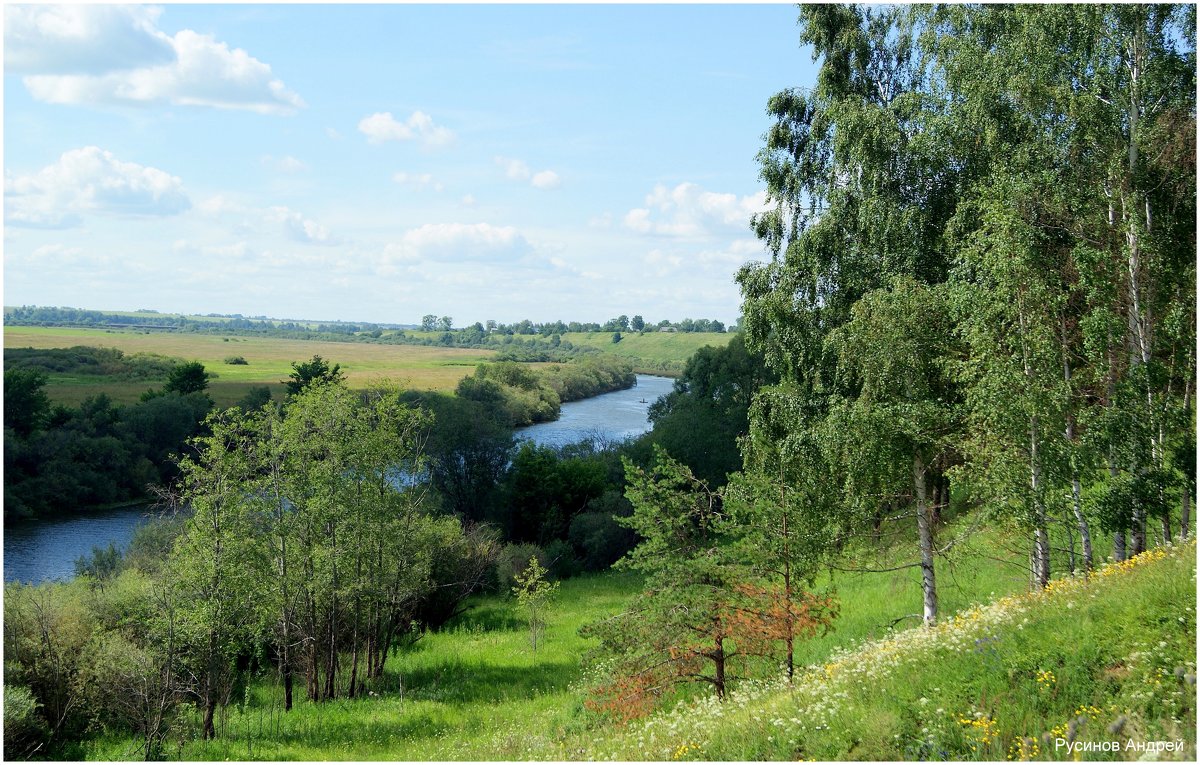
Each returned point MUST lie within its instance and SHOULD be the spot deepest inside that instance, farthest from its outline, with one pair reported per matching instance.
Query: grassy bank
(472, 691)
(1088, 662)
(992, 682)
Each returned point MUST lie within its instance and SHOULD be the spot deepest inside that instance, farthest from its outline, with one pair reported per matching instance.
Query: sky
(382, 162)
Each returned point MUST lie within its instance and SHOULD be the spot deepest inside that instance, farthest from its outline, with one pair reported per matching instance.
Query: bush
(24, 730)
(600, 540)
(236, 360)
(514, 559)
(563, 563)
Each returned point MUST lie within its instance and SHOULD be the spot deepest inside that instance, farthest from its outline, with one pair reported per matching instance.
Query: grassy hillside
(649, 353)
(1117, 649)
(1084, 664)
(268, 360)
(653, 352)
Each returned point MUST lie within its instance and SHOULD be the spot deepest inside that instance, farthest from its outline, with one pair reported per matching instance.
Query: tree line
(983, 274)
(982, 287)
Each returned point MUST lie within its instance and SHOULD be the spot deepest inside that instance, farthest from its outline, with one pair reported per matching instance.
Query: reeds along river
(45, 550)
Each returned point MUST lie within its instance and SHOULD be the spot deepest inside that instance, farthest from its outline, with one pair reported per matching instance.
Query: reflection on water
(43, 550)
(612, 417)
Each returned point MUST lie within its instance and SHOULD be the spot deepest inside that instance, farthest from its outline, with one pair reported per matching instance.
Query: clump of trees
(526, 395)
(983, 275)
(60, 459)
(714, 602)
(88, 360)
(305, 547)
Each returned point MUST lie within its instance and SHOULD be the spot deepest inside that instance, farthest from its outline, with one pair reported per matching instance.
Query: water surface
(38, 551)
(611, 417)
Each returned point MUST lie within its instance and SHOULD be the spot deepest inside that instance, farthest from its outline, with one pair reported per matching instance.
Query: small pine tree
(533, 592)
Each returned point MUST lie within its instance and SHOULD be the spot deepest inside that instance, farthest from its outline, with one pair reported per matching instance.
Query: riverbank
(38, 550)
(526, 394)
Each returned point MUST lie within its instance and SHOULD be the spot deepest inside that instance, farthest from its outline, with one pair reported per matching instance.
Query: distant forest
(474, 334)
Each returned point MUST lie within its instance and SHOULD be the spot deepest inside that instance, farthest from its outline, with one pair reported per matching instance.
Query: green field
(269, 361)
(661, 352)
(1120, 647)
(649, 353)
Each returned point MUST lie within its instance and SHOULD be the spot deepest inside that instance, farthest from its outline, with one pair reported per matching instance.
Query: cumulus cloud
(83, 38)
(453, 242)
(277, 219)
(546, 179)
(110, 55)
(517, 170)
(687, 210)
(90, 180)
(382, 127)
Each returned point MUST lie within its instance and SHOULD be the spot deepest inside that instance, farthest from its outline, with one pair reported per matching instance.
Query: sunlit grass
(269, 361)
(475, 690)
(1110, 658)
(1004, 668)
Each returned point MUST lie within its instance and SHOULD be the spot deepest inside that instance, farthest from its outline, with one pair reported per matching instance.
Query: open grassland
(269, 361)
(649, 353)
(1116, 649)
(652, 352)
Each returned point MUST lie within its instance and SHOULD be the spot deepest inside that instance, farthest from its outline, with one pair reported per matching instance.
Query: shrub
(512, 560)
(562, 561)
(24, 730)
(236, 360)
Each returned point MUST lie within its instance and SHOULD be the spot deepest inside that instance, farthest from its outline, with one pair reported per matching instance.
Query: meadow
(1003, 674)
(268, 361)
(652, 352)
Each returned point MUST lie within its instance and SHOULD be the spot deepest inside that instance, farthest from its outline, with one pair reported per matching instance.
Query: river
(47, 550)
(612, 416)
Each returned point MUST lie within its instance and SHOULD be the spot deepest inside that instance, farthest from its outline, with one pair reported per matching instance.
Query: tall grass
(1011, 670)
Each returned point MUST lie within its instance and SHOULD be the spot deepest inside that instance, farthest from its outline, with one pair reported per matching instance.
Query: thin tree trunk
(1041, 537)
(787, 587)
(925, 533)
(718, 658)
(1085, 535)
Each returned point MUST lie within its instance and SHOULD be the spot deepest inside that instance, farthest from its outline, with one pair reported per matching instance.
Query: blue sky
(382, 162)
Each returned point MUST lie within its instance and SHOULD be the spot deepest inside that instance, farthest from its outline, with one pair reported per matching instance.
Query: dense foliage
(983, 272)
(60, 460)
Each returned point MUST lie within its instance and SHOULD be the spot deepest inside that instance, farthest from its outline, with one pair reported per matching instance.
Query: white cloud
(518, 170)
(302, 229)
(546, 179)
(382, 126)
(285, 164)
(90, 180)
(418, 181)
(246, 219)
(736, 254)
(453, 242)
(514, 169)
(108, 55)
(468, 200)
(66, 39)
(687, 210)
